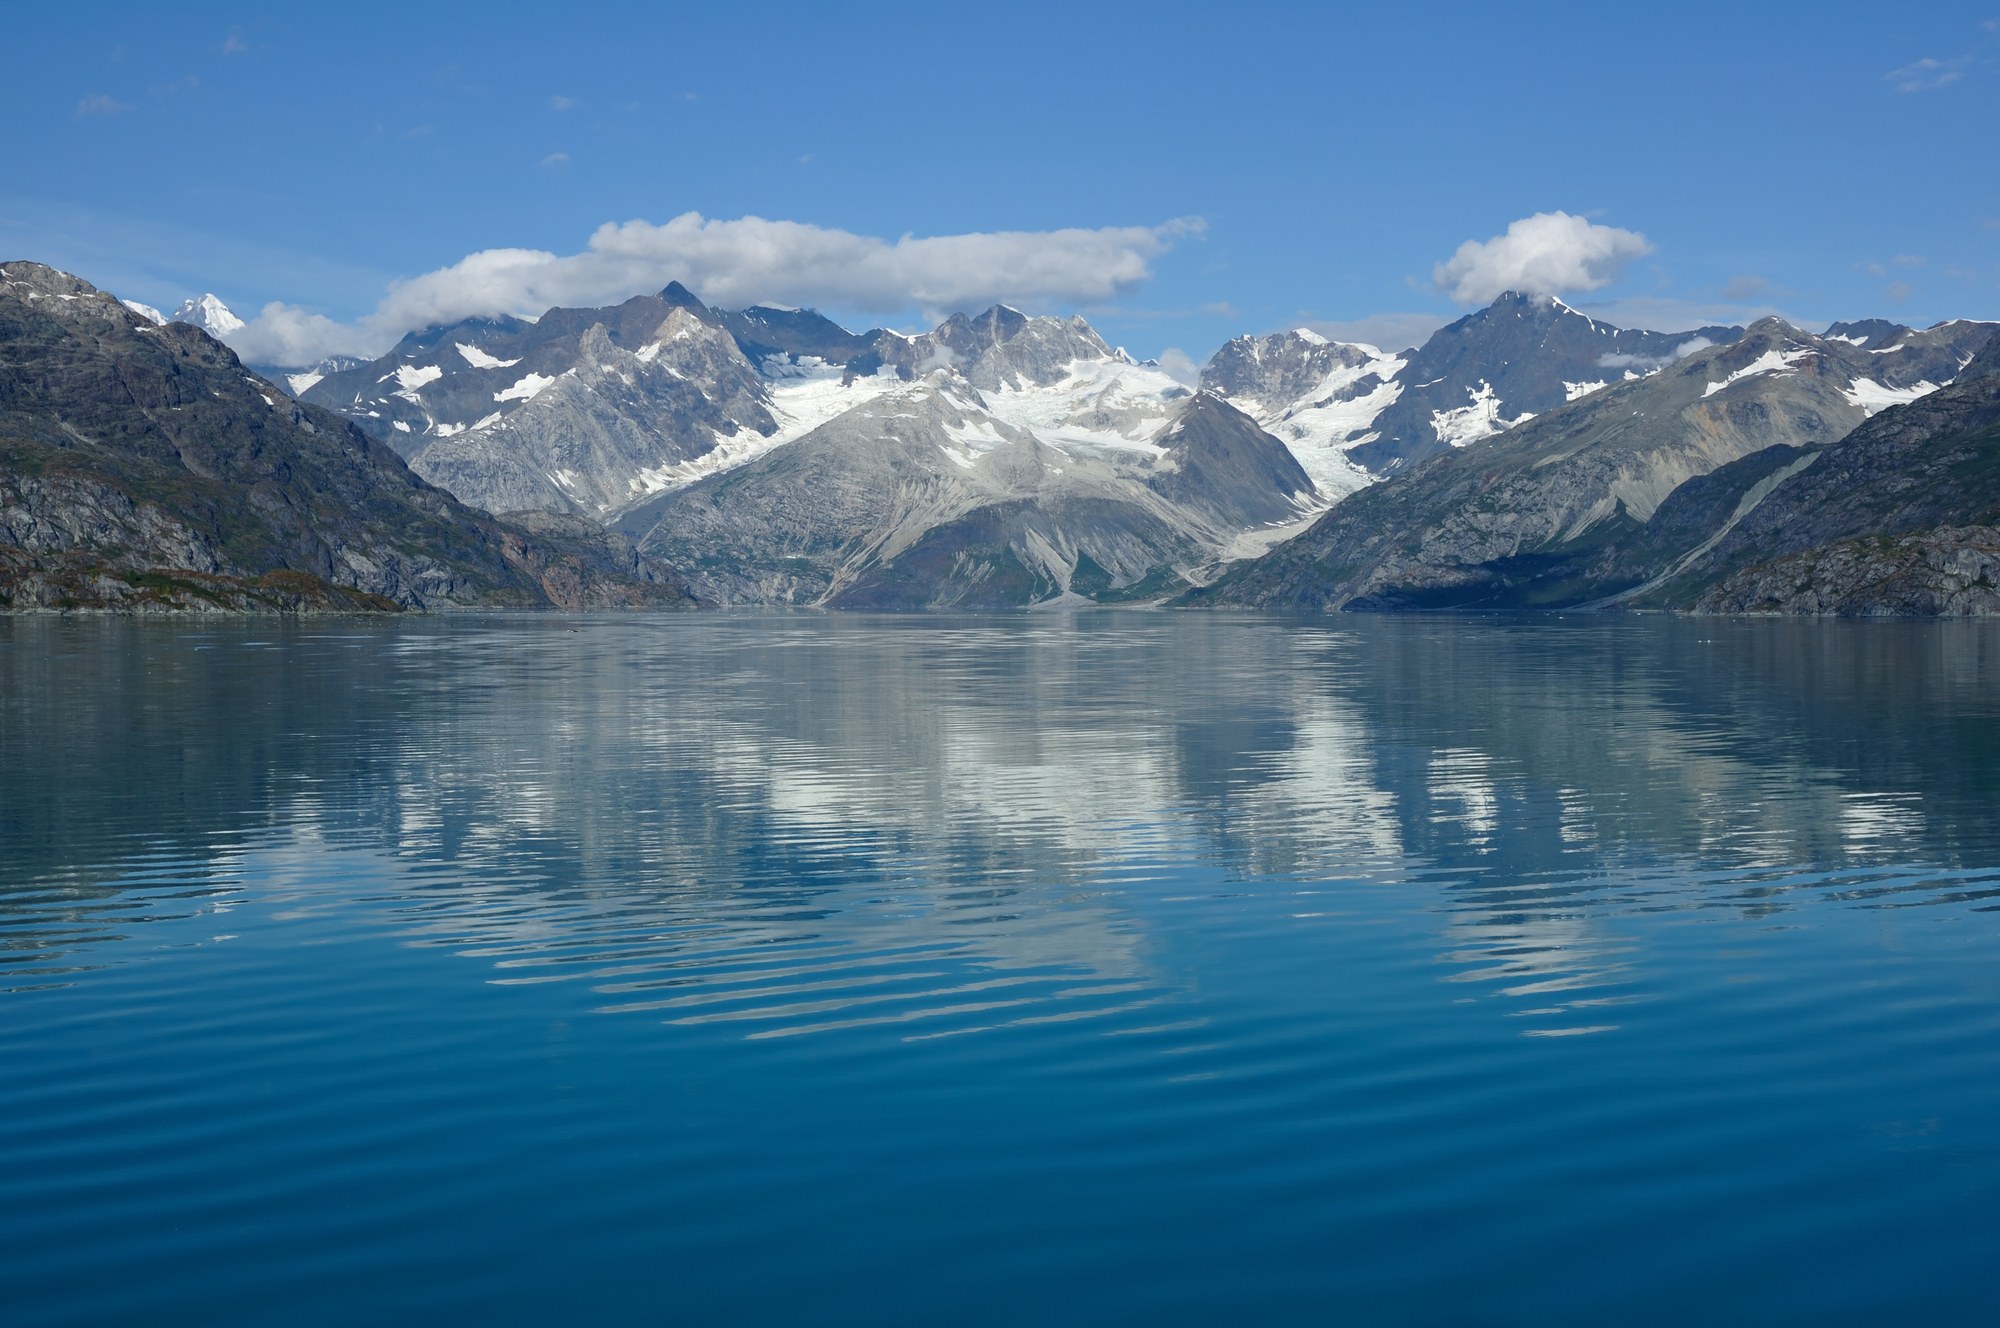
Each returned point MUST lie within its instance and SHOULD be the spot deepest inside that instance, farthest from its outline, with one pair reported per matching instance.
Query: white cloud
(282, 334)
(1648, 363)
(1549, 253)
(751, 260)
(1928, 75)
(99, 103)
(1180, 366)
(556, 159)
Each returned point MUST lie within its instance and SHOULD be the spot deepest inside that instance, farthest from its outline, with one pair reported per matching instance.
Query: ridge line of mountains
(662, 453)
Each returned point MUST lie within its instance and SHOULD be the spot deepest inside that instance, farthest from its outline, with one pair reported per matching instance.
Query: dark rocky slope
(1900, 517)
(143, 467)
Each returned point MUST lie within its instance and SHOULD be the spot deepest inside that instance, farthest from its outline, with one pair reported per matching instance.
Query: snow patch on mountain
(1480, 419)
(479, 359)
(410, 377)
(1770, 362)
(1874, 397)
(525, 390)
(146, 311)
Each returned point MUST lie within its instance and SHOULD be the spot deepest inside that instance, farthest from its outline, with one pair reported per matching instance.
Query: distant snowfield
(1874, 397)
(1469, 423)
(807, 392)
(1101, 404)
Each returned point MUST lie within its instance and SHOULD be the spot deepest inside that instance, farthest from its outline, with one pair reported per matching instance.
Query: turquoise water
(1118, 968)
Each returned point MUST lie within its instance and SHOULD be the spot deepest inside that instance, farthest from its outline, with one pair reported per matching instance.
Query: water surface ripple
(1106, 968)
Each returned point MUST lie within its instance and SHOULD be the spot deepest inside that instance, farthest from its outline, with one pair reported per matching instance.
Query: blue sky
(1180, 174)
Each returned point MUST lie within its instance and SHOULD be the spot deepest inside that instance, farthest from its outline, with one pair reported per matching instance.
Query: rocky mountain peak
(680, 297)
(1868, 333)
(1218, 462)
(69, 299)
(1771, 326)
(40, 279)
(968, 334)
(1266, 373)
(1003, 347)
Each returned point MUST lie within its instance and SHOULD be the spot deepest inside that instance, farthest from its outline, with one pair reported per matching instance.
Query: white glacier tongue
(209, 314)
(1316, 396)
(806, 392)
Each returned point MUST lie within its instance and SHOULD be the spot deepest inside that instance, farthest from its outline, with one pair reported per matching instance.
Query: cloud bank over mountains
(734, 263)
(753, 260)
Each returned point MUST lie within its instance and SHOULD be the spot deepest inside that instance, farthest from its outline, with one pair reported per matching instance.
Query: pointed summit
(682, 298)
(209, 314)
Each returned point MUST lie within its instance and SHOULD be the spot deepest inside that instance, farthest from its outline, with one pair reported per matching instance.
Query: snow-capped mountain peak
(209, 314)
(145, 311)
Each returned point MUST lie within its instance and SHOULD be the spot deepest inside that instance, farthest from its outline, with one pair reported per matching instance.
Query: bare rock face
(1949, 572)
(142, 466)
(588, 439)
(1000, 348)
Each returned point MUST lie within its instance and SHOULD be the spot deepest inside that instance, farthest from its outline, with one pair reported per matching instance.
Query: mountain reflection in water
(796, 823)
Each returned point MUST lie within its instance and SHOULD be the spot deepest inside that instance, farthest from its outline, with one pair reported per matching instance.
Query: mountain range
(1525, 456)
(1605, 496)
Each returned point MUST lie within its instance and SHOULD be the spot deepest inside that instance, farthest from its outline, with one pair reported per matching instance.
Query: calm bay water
(1118, 968)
